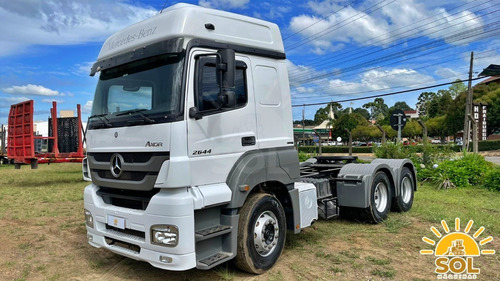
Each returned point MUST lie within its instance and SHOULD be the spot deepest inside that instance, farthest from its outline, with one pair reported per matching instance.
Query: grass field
(43, 237)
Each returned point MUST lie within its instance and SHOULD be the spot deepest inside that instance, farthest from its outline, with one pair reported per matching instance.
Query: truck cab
(190, 148)
(191, 115)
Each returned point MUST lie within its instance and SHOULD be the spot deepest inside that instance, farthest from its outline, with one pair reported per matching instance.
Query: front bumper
(169, 206)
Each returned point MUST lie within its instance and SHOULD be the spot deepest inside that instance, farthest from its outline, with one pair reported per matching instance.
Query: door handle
(248, 141)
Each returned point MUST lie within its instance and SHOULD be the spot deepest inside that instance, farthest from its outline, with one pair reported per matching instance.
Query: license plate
(116, 222)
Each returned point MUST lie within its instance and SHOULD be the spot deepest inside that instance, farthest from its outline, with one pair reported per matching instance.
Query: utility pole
(382, 131)
(303, 125)
(468, 108)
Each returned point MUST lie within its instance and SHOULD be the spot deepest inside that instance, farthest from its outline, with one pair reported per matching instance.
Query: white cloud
(87, 108)
(14, 100)
(382, 27)
(394, 77)
(271, 11)
(446, 72)
(346, 25)
(300, 72)
(372, 80)
(223, 4)
(377, 80)
(484, 57)
(83, 69)
(30, 89)
(52, 100)
(61, 22)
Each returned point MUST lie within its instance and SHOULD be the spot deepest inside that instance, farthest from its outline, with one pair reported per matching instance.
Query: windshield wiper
(104, 120)
(139, 112)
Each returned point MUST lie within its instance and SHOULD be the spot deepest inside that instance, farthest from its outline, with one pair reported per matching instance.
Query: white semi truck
(190, 148)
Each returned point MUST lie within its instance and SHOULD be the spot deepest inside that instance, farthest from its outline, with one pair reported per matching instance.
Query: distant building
(66, 113)
(491, 80)
(412, 114)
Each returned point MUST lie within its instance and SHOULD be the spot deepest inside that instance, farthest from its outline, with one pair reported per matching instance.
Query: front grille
(124, 246)
(127, 176)
(127, 233)
(130, 157)
(132, 199)
(139, 169)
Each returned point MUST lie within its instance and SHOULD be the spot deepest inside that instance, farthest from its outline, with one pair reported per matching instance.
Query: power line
(327, 61)
(402, 86)
(457, 37)
(321, 19)
(418, 68)
(386, 94)
(479, 32)
(395, 87)
(325, 31)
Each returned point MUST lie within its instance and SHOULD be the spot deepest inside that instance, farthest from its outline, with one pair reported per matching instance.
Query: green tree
(424, 102)
(439, 104)
(400, 105)
(490, 94)
(363, 112)
(457, 88)
(444, 102)
(307, 122)
(454, 119)
(347, 122)
(412, 129)
(322, 113)
(390, 132)
(436, 127)
(366, 132)
(378, 109)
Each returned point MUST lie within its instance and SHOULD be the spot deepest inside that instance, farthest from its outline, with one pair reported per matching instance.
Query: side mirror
(226, 66)
(194, 113)
(227, 98)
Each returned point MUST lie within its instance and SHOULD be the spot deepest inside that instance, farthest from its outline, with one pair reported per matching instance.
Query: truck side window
(207, 88)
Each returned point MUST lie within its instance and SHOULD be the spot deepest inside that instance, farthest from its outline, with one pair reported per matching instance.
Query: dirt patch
(43, 237)
(332, 250)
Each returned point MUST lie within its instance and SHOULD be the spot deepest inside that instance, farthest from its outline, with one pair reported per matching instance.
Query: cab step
(211, 232)
(214, 260)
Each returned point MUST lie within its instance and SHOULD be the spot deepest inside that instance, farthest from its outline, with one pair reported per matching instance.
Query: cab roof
(194, 22)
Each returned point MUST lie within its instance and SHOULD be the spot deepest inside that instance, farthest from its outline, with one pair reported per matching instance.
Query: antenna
(163, 7)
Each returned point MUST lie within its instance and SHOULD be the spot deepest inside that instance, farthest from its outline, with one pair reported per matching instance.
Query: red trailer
(21, 138)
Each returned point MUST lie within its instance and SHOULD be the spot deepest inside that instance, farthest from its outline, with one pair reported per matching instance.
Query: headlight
(89, 220)
(165, 235)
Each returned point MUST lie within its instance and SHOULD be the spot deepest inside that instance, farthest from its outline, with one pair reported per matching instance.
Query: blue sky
(335, 49)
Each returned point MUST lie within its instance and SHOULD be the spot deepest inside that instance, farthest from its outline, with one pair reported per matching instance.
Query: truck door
(221, 134)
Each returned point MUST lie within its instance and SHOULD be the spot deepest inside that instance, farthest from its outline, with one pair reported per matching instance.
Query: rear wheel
(261, 233)
(404, 201)
(380, 198)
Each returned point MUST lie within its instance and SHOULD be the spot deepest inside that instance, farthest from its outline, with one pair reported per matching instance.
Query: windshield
(141, 92)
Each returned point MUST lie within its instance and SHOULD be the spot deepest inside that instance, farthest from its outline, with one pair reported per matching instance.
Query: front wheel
(261, 233)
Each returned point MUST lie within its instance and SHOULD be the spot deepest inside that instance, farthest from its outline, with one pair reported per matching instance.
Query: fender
(261, 166)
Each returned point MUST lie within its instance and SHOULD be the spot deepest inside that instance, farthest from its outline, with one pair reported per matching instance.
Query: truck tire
(261, 233)
(404, 201)
(380, 199)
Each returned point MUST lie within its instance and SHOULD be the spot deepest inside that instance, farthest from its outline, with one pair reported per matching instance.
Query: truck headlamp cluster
(165, 235)
(89, 220)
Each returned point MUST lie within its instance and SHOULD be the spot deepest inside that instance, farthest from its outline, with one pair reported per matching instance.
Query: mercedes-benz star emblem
(116, 165)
